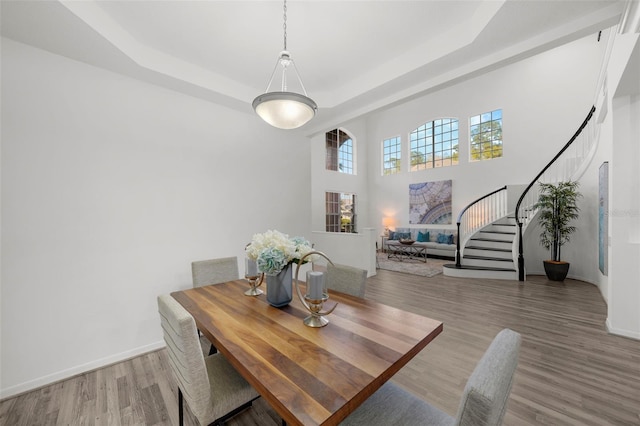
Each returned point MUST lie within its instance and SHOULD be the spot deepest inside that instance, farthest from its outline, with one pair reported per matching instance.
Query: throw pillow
(442, 239)
(423, 237)
(404, 235)
(451, 239)
(392, 235)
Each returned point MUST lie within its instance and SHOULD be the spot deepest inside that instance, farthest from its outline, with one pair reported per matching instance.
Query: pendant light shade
(284, 109)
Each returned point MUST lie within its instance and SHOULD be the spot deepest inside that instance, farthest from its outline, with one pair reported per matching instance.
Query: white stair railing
(568, 164)
(478, 214)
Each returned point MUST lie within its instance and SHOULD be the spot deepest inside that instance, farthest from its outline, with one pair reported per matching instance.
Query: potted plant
(558, 207)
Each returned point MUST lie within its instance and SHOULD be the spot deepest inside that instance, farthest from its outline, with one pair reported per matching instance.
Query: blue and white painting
(430, 203)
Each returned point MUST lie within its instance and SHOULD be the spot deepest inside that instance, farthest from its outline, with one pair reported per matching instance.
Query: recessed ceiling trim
(90, 13)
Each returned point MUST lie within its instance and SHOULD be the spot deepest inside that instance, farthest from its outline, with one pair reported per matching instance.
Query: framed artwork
(603, 218)
(430, 202)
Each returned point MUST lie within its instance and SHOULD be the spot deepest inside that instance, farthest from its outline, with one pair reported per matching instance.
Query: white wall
(544, 99)
(354, 250)
(624, 207)
(624, 290)
(110, 188)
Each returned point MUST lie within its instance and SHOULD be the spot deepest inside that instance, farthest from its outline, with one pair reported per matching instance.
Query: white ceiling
(353, 56)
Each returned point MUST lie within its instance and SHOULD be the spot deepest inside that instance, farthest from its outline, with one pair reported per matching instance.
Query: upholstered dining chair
(346, 279)
(214, 271)
(483, 403)
(212, 388)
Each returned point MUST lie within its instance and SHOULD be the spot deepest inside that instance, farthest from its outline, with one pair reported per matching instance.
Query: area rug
(432, 268)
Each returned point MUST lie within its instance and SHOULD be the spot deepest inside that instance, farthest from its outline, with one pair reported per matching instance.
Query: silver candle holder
(316, 294)
(255, 279)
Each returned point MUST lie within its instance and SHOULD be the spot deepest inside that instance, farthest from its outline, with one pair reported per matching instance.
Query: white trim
(83, 368)
(619, 332)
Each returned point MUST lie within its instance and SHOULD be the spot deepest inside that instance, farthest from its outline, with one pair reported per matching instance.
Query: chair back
(346, 279)
(485, 396)
(185, 354)
(214, 271)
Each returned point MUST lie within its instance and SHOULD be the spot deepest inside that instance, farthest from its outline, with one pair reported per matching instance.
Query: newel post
(458, 264)
(520, 253)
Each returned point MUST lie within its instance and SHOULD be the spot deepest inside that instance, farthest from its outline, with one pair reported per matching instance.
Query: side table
(383, 238)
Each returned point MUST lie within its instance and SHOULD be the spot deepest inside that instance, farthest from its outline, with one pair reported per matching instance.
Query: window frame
(334, 216)
(340, 152)
(439, 141)
(397, 149)
(492, 135)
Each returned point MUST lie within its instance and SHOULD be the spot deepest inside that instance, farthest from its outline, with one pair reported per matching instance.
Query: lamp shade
(285, 110)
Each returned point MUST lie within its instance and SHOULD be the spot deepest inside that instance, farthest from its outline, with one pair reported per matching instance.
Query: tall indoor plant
(558, 207)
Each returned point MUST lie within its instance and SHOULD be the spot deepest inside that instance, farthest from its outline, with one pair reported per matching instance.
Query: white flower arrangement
(273, 251)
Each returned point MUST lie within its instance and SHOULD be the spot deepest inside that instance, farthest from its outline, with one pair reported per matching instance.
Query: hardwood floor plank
(571, 371)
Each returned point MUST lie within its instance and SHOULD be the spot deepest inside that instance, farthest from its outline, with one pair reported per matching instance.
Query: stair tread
(487, 248)
(478, 268)
(498, 232)
(498, 259)
(490, 239)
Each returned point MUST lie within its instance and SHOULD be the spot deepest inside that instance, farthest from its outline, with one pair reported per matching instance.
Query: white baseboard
(624, 333)
(70, 372)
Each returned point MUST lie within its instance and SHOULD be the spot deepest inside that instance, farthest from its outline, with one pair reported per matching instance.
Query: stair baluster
(478, 214)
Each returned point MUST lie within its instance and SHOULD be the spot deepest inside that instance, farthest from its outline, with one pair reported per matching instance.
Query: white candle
(315, 285)
(250, 268)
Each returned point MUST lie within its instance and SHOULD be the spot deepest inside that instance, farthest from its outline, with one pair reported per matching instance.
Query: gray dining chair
(346, 279)
(483, 403)
(211, 387)
(214, 271)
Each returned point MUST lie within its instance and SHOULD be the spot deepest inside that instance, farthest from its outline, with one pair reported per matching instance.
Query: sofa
(440, 243)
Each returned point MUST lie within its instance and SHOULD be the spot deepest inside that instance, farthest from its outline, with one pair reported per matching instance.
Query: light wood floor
(571, 372)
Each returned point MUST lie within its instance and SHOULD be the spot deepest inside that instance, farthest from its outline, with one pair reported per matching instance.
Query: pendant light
(283, 109)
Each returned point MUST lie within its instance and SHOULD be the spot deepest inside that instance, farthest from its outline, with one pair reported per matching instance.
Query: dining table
(309, 376)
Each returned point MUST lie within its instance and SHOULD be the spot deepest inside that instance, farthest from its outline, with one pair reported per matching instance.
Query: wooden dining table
(310, 376)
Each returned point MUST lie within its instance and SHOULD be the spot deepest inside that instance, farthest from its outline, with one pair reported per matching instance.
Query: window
(485, 135)
(391, 156)
(341, 212)
(339, 152)
(434, 144)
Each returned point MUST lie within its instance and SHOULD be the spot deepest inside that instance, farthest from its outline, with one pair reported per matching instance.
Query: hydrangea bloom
(273, 251)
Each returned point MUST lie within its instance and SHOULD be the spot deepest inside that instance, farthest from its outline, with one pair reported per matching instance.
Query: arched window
(340, 152)
(434, 144)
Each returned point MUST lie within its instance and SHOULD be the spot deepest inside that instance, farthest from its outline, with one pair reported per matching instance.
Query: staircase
(490, 241)
(488, 253)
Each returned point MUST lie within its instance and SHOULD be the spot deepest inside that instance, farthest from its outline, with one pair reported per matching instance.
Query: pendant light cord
(284, 109)
(289, 61)
(284, 26)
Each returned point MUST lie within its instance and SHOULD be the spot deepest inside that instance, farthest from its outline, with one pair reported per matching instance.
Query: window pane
(485, 139)
(339, 152)
(426, 146)
(340, 212)
(392, 159)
